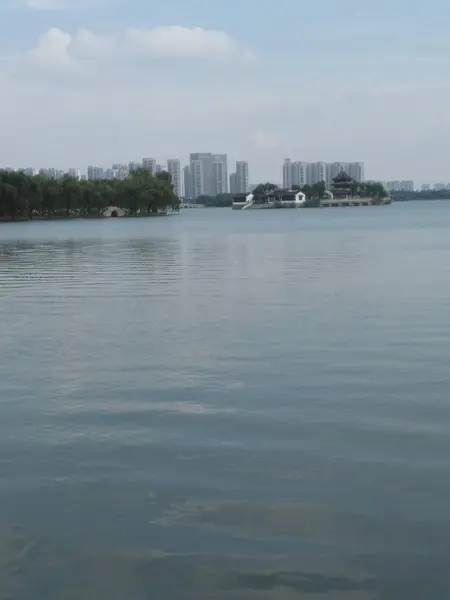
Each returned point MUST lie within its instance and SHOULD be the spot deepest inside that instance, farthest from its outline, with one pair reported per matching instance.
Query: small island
(28, 197)
(344, 191)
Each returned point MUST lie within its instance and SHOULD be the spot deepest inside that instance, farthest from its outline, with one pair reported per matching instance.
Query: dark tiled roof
(343, 178)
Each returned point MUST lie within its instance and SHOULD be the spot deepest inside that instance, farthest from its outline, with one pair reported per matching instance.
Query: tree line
(25, 196)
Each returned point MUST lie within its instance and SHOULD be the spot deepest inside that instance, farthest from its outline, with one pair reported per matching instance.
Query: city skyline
(75, 88)
(292, 173)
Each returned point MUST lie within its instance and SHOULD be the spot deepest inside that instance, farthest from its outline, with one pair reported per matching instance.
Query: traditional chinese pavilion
(343, 185)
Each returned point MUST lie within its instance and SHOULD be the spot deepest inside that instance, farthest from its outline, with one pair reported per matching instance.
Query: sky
(103, 81)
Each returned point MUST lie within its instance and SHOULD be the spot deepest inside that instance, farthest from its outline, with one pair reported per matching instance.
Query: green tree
(263, 188)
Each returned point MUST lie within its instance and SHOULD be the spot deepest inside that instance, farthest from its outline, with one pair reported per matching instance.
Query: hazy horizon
(104, 81)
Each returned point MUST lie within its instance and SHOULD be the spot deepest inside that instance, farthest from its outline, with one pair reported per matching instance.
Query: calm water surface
(225, 405)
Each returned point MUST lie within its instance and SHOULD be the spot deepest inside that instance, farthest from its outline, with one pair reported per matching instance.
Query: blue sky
(101, 81)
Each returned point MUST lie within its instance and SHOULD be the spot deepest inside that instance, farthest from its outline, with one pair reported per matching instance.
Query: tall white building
(95, 173)
(241, 177)
(134, 166)
(356, 170)
(287, 173)
(220, 174)
(174, 170)
(234, 188)
(149, 163)
(209, 174)
(75, 173)
(187, 183)
(28, 171)
(299, 173)
(199, 179)
(202, 174)
(317, 172)
(402, 186)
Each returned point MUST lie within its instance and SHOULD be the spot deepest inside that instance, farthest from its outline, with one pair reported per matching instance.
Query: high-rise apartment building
(149, 163)
(317, 172)
(187, 183)
(200, 180)
(75, 173)
(299, 173)
(202, 173)
(95, 173)
(241, 177)
(302, 173)
(295, 173)
(174, 170)
(220, 174)
(287, 173)
(234, 188)
(400, 186)
(209, 174)
(134, 166)
(28, 171)
(356, 170)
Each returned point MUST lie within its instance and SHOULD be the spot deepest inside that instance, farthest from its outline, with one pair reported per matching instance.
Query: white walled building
(174, 170)
(241, 177)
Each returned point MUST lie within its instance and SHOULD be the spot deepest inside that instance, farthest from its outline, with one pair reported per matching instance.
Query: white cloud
(49, 4)
(57, 48)
(52, 49)
(59, 5)
(180, 42)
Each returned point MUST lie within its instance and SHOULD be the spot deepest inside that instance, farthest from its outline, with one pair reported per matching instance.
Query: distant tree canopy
(25, 197)
(263, 188)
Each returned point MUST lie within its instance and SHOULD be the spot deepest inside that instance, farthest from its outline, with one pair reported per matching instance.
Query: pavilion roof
(343, 178)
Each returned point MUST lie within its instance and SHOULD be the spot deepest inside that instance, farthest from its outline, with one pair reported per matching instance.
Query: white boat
(273, 199)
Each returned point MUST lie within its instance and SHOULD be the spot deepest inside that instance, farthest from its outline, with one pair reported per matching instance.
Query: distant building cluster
(437, 187)
(207, 174)
(408, 186)
(307, 173)
(399, 186)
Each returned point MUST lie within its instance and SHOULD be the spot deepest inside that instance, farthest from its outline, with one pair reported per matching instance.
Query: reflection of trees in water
(42, 261)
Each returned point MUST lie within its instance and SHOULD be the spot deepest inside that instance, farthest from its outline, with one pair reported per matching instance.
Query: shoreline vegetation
(314, 193)
(25, 198)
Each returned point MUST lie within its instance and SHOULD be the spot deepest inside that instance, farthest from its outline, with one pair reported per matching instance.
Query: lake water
(224, 405)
